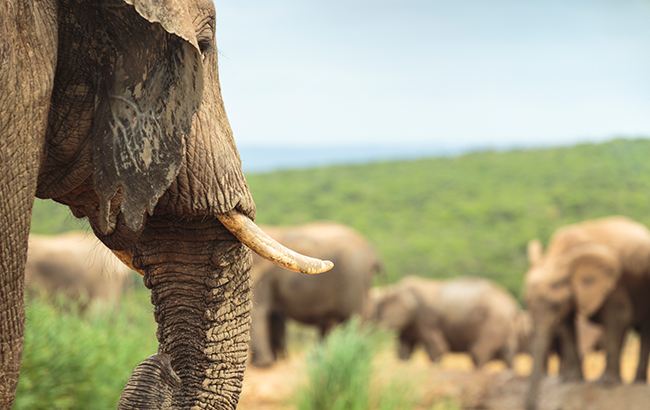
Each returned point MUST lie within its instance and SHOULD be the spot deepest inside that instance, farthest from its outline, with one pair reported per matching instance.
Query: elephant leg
(327, 325)
(28, 45)
(570, 363)
(509, 351)
(616, 316)
(277, 322)
(614, 344)
(644, 353)
(484, 349)
(13, 253)
(435, 343)
(405, 347)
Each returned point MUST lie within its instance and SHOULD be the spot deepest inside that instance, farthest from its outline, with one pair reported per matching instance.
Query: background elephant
(589, 335)
(599, 269)
(114, 109)
(321, 300)
(77, 265)
(462, 315)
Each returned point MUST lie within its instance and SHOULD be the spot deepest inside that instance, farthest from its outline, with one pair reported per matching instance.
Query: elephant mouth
(251, 235)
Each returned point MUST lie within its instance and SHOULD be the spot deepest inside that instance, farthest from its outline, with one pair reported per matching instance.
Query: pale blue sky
(440, 72)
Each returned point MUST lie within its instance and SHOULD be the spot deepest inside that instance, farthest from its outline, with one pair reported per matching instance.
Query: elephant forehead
(535, 276)
(541, 278)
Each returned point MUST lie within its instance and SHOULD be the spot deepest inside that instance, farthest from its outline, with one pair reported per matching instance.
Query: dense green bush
(82, 360)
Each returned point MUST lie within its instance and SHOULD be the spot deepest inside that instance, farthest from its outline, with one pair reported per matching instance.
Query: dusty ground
(453, 383)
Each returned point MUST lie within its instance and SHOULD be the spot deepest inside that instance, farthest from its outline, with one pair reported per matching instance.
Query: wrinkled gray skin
(599, 269)
(115, 110)
(76, 265)
(320, 300)
(461, 315)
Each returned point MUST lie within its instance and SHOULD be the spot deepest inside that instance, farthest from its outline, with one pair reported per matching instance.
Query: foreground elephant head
(114, 109)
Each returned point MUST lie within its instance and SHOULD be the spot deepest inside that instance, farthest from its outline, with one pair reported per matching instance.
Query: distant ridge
(267, 159)
(261, 159)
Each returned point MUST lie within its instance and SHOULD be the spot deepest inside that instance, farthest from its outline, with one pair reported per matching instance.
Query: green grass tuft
(341, 374)
(339, 370)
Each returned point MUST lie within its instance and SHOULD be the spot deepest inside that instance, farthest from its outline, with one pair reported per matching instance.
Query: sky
(449, 73)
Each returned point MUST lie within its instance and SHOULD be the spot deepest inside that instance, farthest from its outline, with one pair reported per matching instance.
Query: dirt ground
(453, 383)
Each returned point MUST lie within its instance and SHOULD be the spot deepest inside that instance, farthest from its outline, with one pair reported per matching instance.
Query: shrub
(82, 360)
(340, 374)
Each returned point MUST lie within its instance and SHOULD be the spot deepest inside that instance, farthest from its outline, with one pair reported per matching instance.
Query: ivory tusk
(127, 258)
(252, 236)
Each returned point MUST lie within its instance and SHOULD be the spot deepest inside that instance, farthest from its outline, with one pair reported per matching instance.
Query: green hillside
(444, 217)
(472, 214)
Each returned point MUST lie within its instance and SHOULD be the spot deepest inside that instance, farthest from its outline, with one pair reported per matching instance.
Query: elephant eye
(206, 47)
(560, 283)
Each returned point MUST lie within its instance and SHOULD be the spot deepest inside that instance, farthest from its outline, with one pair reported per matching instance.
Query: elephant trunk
(198, 273)
(542, 336)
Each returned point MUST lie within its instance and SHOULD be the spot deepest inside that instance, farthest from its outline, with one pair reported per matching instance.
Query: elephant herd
(583, 294)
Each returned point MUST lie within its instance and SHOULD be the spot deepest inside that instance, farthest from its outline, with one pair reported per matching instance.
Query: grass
(76, 359)
(344, 374)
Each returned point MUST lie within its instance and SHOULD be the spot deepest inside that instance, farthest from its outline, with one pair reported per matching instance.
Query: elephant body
(76, 265)
(598, 269)
(461, 315)
(320, 300)
(114, 109)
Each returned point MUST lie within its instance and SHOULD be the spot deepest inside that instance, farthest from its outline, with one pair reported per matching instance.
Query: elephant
(460, 315)
(114, 109)
(599, 269)
(589, 335)
(322, 300)
(76, 265)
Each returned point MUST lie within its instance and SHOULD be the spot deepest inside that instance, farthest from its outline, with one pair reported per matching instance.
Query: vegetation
(445, 217)
(467, 215)
(76, 359)
(52, 218)
(341, 374)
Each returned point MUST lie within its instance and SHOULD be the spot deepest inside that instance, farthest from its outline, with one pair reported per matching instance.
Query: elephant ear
(594, 270)
(171, 14)
(149, 87)
(534, 252)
